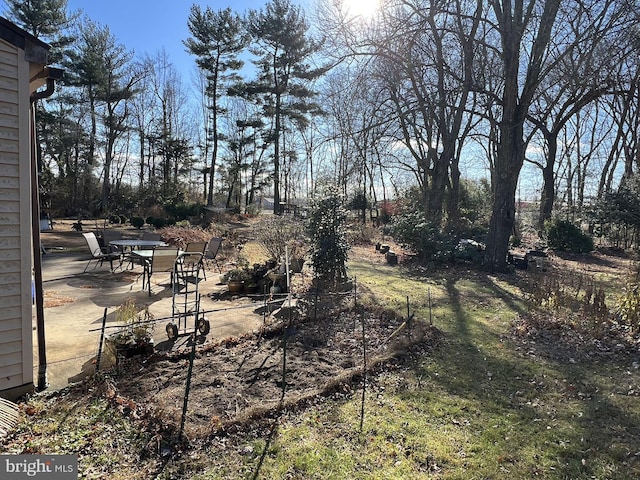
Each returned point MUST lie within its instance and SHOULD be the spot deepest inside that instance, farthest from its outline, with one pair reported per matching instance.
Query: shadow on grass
(560, 419)
(575, 419)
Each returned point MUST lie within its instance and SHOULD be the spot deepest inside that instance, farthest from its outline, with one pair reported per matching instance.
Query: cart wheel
(172, 331)
(204, 327)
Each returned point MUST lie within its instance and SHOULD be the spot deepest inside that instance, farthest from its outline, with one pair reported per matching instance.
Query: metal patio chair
(162, 260)
(197, 247)
(211, 253)
(99, 254)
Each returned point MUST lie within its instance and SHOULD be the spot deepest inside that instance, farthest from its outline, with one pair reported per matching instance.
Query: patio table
(128, 246)
(138, 244)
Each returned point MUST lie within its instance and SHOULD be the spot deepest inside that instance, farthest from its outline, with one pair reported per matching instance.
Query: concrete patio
(75, 303)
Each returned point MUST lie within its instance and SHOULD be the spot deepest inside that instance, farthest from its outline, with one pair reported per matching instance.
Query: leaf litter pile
(238, 380)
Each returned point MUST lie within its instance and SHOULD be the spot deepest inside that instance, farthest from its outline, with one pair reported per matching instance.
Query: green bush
(182, 210)
(565, 236)
(137, 222)
(328, 233)
(423, 237)
(158, 222)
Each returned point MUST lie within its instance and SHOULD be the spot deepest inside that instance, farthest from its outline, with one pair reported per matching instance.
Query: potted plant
(136, 335)
(236, 278)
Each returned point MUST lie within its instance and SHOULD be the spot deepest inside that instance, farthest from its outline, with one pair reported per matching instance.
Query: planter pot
(392, 258)
(378, 247)
(121, 354)
(260, 271)
(384, 248)
(279, 281)
(128, 351)
(116, 353)
(235, 286)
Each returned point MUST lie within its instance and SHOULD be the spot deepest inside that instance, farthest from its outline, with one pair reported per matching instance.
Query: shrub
(423, 237)
(565, 236)
(137, 222)
(327, 229)
(253, 209)
(628, 308)
(274, 233)
(183, 211)
(181, 236)
(387, 211)
(362, 234)
(158, 222)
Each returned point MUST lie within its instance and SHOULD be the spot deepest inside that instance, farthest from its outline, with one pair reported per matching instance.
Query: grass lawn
(494, 398)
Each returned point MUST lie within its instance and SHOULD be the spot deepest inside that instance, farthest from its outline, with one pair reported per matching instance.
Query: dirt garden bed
(241, 379)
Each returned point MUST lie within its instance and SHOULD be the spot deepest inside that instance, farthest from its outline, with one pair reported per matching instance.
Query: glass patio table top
(138, 244)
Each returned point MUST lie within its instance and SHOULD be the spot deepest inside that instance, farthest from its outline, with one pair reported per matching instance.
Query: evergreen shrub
(564, 236)
(137, 222)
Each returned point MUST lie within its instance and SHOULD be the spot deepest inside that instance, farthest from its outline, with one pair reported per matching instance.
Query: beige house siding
(16, 343)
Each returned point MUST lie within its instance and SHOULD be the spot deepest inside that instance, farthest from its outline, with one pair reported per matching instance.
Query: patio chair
(98, 254)
(162, 260)
(109, 235)
(187, 270)
(211, 253)
(197, 248)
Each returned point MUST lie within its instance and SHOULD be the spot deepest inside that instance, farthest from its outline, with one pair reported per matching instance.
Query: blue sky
(146, 26)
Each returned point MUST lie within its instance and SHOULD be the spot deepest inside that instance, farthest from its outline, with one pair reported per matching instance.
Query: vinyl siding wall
(16, 343)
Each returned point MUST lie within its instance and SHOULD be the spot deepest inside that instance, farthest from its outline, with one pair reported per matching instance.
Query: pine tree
(283, 48)
(218, 39)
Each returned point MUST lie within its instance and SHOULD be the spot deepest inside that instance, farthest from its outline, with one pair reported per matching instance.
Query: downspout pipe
(37, 260)
(42, 384)
(47, 92)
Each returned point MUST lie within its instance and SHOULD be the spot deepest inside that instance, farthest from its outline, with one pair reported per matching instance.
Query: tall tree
(591, 31)
(218, 39)
(524, 29)
(173, 144)
(283, 48)
(49, 21)
(100, 68)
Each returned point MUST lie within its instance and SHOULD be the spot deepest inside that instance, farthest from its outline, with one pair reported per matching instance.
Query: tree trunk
(509, 162)
(512, 20)
(276, 157)
(548, 195)
(214, 153)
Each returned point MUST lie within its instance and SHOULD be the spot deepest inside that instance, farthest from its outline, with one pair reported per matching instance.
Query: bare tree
(523, 30)
(583, 74)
